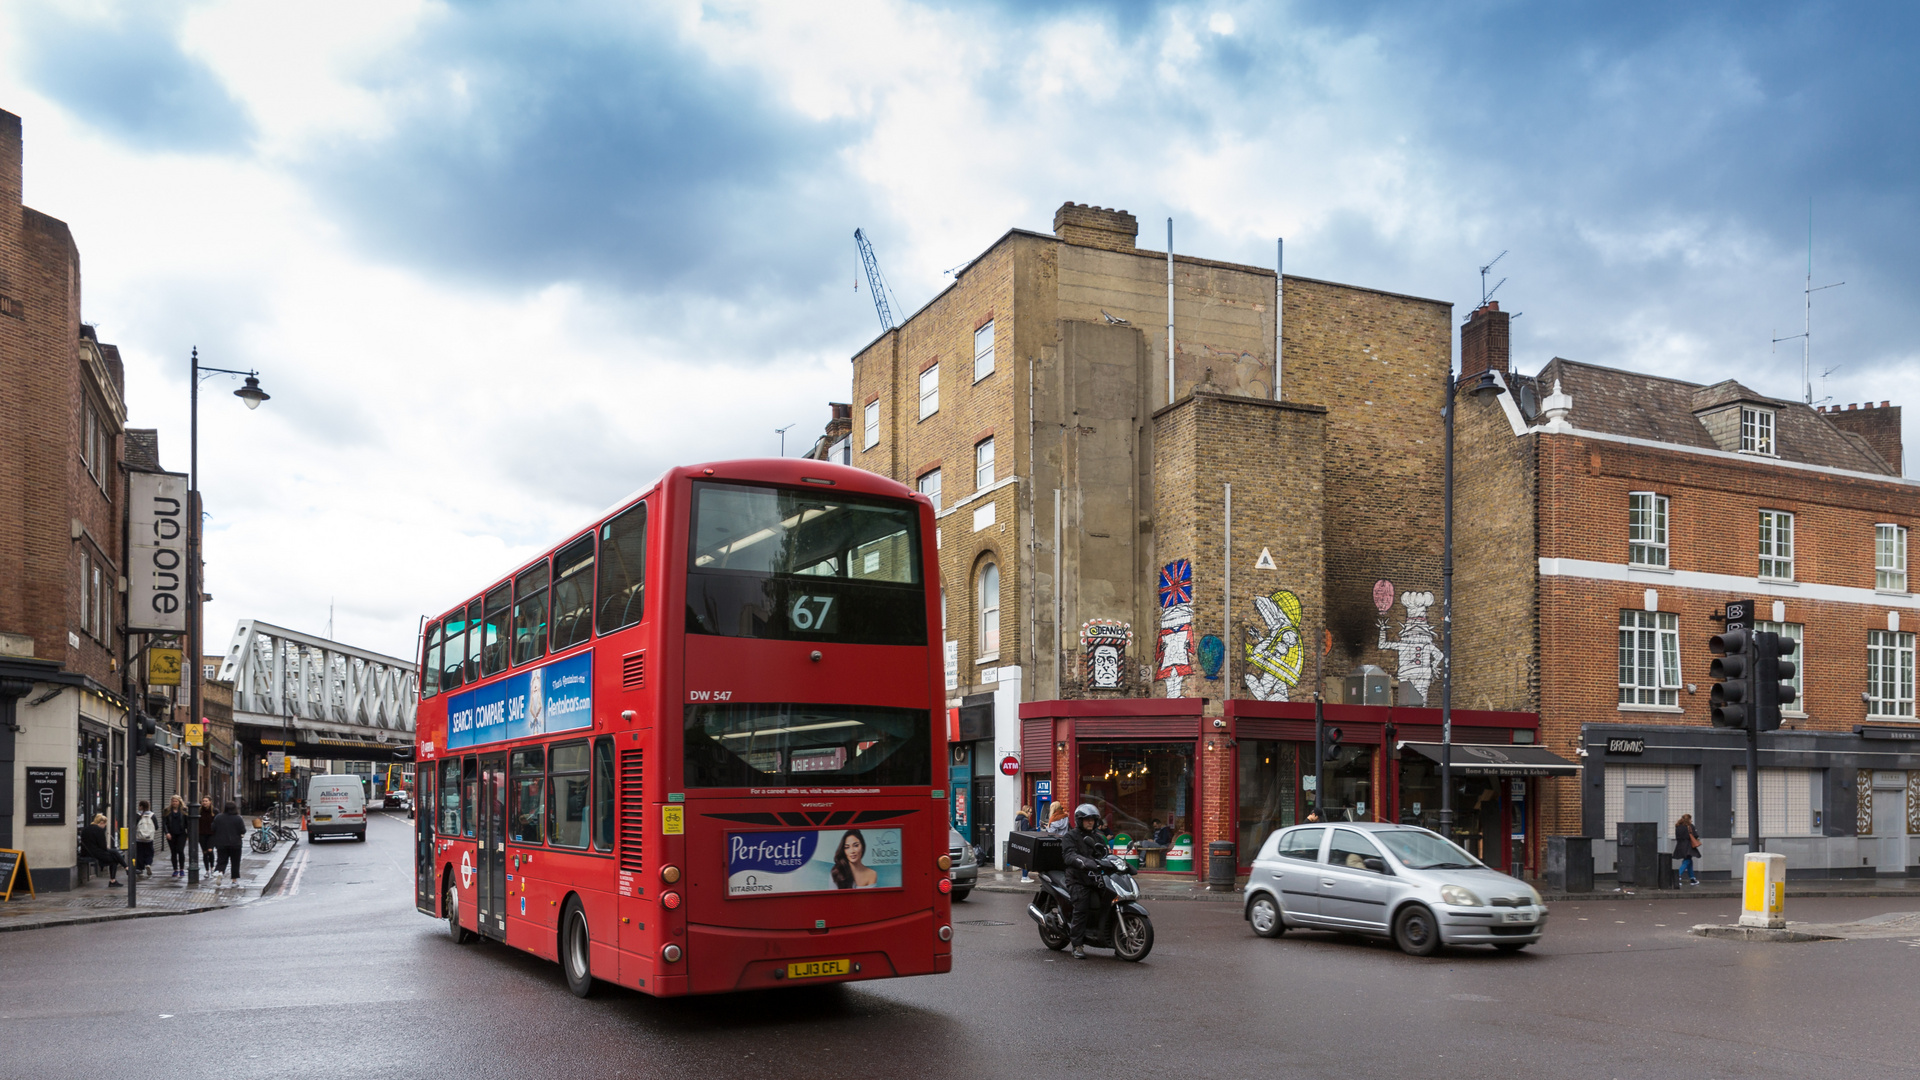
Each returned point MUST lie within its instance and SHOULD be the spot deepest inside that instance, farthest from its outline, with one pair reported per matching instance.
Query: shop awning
(1476, 759)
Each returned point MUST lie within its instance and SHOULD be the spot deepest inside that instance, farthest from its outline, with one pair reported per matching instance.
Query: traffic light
(143, 734)
(1772, 678)
(1333, 743)
(1732, 698)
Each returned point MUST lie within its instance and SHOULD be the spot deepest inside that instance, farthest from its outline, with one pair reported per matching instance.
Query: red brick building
(1604, 515)
(62, 519)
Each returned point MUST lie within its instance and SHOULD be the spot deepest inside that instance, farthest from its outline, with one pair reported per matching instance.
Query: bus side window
(430, 663)
(529, 778)
(493, 652)
(473, 640)
(455, 643)
(567, 795)
(573, 594)
(623, 570)
(450, 797)
(469, 796)
(603, 794)
(530, 615)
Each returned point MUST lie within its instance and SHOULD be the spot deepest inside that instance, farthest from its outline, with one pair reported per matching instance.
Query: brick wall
(1878, 425)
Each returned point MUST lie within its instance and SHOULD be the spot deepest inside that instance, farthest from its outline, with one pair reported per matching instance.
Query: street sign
(1307, 781)
(276, 761)
(163, 667)
(1010, 765)
(196, 734)
(1739, 613)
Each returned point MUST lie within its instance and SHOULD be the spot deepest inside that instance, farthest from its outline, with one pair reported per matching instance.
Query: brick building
(1139, 555)
(1604, 516)
(62, 691)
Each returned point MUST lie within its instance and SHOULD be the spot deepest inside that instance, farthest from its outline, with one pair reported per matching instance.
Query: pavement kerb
(1153, 891)
(281, 853)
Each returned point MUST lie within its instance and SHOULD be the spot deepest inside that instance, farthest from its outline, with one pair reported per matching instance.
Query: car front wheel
(1415, 931)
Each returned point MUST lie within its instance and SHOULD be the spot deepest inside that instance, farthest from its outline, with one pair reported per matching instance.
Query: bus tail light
(669, 874)
(944, 862)
(670, 901)
(945, 933)
(945, 886)
(671, 954)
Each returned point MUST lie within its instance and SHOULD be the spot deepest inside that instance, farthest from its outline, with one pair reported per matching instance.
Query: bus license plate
(813, 969)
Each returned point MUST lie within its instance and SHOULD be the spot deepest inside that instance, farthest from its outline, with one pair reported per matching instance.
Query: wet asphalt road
(338, 976)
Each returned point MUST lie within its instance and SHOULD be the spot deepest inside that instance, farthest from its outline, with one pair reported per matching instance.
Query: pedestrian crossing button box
(1035, 852)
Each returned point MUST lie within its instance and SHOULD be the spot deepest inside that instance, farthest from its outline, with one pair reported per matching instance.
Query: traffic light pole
(1753, 788)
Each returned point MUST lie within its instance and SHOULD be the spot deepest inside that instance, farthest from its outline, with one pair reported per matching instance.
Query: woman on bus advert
(849, 869)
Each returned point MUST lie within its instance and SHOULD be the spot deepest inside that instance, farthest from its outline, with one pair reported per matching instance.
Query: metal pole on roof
(1169, 311)
(1279, 291)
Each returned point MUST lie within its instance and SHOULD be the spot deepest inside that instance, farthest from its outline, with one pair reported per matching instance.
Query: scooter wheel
(1132, 936)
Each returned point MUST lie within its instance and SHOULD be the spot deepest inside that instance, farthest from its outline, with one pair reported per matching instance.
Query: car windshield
(1418, 849)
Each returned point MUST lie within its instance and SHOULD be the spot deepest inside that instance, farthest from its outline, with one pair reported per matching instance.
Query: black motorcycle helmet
(1085, 811)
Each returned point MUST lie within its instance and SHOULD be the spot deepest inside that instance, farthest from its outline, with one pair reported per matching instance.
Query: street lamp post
(1486, 385)
(253, 396)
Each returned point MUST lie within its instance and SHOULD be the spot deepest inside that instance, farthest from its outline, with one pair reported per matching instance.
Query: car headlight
(1458, 896)
(1535, 893)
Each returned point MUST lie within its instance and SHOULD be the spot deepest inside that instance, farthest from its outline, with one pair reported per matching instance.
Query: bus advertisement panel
(820, 860)
(553, 698)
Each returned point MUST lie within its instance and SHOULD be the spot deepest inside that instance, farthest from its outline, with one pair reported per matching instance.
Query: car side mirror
(1375, 864)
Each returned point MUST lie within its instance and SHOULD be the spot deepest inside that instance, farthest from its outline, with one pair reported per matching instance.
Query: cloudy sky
(499, 264)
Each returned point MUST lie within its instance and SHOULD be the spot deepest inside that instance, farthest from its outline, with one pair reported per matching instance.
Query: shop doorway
(1890, 823)
(1646, 802)
(983, 820)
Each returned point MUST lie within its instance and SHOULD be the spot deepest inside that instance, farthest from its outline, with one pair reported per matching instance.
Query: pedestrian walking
(1686, 847)
(229, 832)
(1057, 818)
(176, 823)
(1023, 822)
(146, 830)
(207, 816)
(94, 845)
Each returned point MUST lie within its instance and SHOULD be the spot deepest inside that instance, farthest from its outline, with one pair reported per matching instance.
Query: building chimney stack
(1095, 226)
(1484, 341)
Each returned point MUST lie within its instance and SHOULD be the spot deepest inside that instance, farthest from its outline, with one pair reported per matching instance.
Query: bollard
(1220, 868)
(1765, 896)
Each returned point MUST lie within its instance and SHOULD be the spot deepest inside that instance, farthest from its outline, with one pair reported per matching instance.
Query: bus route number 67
(813, 613)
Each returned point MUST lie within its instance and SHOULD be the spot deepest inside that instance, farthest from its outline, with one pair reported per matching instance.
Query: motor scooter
(1118, 921)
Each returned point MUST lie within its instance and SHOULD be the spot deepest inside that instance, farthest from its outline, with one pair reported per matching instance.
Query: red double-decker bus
(693, 748)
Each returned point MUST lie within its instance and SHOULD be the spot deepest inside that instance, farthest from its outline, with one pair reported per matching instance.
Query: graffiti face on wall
(1275, 655)
(1420, 656)
(1176, 626)
(1104, 643)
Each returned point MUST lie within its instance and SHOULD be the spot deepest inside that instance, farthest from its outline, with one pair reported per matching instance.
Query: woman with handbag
(1686, 846)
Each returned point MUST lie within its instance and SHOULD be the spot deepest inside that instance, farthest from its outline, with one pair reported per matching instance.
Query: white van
(336, 806)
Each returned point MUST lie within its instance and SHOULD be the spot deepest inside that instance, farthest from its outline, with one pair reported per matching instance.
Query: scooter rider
(1083, 848)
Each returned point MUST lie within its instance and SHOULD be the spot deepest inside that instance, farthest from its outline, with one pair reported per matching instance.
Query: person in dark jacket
(146, 832)
(206, 831)
(1083, 847)
(1686, 846)
(176, 823)
(229, 832)
(94, 845)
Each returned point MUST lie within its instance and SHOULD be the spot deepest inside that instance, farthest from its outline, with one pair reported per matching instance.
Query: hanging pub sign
(157, 563)
(163, 667)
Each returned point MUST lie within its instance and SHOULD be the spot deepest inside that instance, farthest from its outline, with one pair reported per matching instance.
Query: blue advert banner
(812, 860)
(555, 697)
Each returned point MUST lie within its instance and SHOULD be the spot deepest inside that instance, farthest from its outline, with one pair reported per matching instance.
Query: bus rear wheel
(450, 907)
(575, 950)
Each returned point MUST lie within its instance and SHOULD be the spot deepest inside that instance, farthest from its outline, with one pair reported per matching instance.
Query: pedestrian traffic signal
(1773, 678)
(1333, 743)
(1732, 675)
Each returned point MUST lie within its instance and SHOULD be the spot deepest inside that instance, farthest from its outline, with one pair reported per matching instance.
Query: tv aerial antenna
(1486, 294)
(1805, 336)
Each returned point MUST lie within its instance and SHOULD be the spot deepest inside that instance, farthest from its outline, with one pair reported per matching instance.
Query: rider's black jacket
(1083, 851)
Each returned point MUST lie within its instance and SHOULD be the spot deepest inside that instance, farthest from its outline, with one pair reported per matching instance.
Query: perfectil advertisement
(812, 861)
(556, 697)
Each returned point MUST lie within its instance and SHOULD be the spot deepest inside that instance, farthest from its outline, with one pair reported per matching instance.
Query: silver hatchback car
(1397, 881)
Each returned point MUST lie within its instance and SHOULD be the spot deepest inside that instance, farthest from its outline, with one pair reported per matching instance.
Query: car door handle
(1328, 882)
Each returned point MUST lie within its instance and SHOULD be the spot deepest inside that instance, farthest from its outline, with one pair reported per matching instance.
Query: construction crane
(876, 284)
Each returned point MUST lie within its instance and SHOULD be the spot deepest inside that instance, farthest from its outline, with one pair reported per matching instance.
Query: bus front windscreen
(784, 744)
(768, 562)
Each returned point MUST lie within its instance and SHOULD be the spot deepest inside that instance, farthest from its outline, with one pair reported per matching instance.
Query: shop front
(1141, 761)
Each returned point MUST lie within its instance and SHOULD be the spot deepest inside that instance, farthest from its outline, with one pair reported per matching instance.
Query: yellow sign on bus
(672, 820)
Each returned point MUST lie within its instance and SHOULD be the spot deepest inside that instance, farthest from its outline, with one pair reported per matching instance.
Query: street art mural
(1275, 655)
(1175, 651)
(1213, 655)
(1420, 656)
(1104, 643)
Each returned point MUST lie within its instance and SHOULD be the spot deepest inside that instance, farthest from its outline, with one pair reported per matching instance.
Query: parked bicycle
(272, 830)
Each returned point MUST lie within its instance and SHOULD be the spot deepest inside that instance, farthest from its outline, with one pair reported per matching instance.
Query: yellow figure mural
(1275, 656)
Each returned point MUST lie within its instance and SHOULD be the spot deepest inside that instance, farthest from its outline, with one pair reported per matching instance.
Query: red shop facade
(1166, 766)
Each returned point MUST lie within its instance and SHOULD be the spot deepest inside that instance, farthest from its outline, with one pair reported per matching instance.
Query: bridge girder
(319, 686)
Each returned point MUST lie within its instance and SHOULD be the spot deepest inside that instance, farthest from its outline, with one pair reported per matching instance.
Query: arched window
(989, 610)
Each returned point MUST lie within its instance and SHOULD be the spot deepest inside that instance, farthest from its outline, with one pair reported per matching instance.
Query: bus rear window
(805, 566)
(779, 745)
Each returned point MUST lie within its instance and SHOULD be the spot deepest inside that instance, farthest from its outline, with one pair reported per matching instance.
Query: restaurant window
(573, 594)
(1647, 529)
(1349, 780)
(469, 796)
(1135, 785)
(449, 824)
(530, 614)
(1271, 795)
(430, 663)
(1890, 558)
(528, 778)
(1889, 673)
(1649, 658)
(567, 796)
(493, 655)
(603, 794)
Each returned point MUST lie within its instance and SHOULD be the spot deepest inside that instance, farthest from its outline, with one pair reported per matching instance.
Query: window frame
(1770, 546)
(469, 796)
(570, 553)
(520, 772)
(987, 355)
(585, 771)
(1647, 539)
(1661, 656)
(1890, 574)
(446, 818)
(1897, 646)
(870, 427)
(86, 595)
(983, 465)
(930, 390)
(1758, 431)
(430, 660)
(525, 597)
(453, 670)
(932, 492)
(496, 629)
(603, 800)
(987, 614)
(614, 538)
